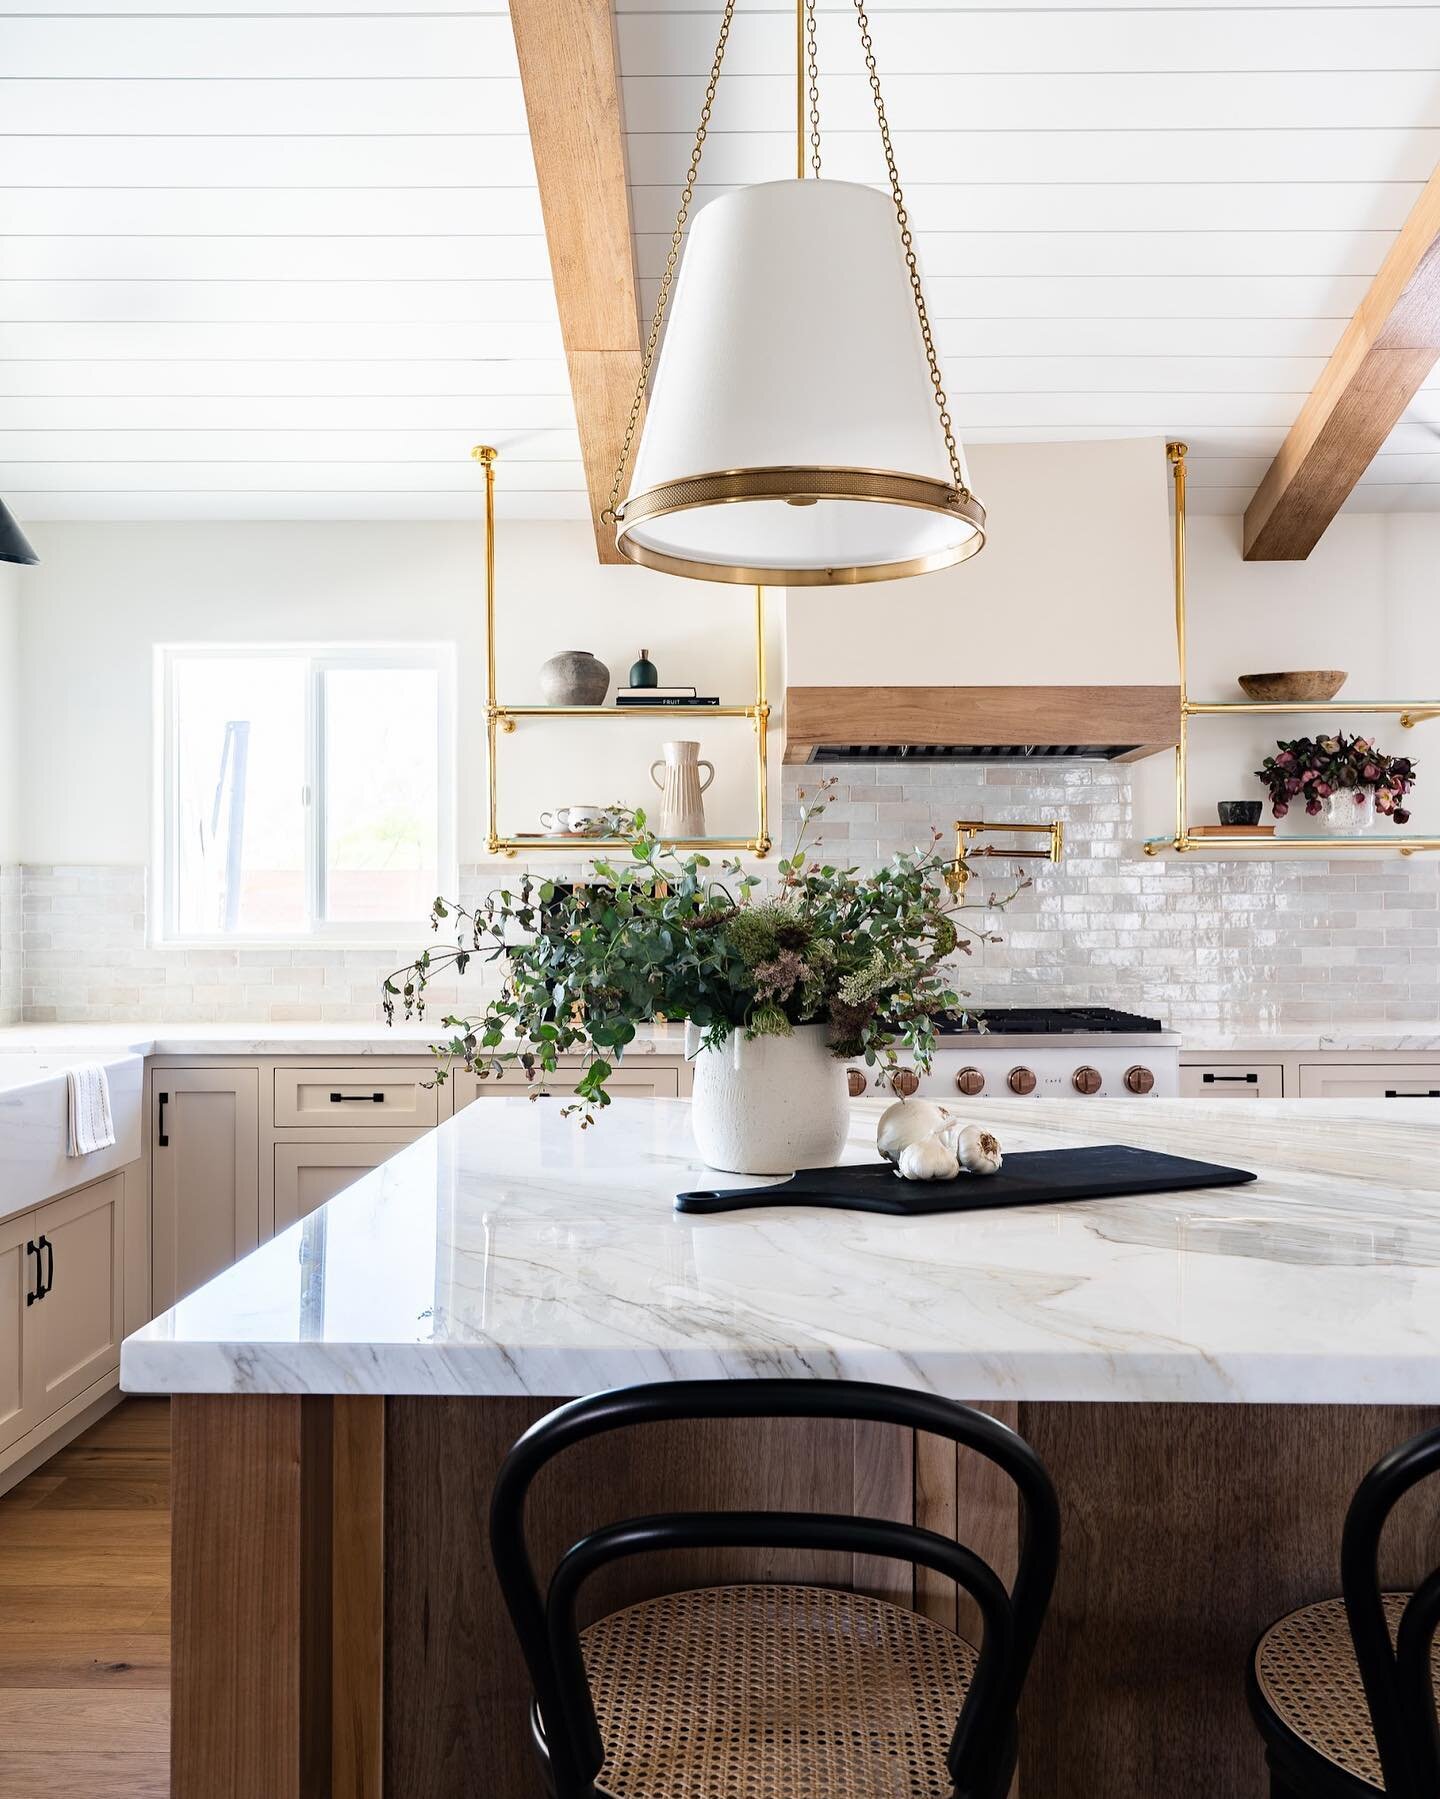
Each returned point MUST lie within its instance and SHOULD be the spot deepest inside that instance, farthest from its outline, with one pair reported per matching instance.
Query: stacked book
(664, 696)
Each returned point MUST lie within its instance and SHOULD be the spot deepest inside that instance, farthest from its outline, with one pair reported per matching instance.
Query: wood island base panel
(331, 1645)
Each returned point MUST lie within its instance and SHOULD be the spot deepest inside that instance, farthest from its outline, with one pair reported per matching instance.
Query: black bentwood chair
(774, 1692)
(1346, 1692)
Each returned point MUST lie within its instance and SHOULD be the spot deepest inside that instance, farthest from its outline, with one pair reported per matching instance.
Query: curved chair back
(1396, 1674)
(982, 1748)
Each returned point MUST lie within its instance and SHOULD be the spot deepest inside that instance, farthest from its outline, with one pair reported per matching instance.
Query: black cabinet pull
(44, 1286)
(162, 1138)
(357, 1099)
(1249, 1080)
(30, 1298)
(1394, 1093)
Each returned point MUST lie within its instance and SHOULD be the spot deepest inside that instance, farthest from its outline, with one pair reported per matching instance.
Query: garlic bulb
(977, 1151)
(907, 1121)
(928, 1159)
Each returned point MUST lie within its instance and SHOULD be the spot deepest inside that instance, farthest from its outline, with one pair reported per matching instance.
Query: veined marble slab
(259, 1039)
(507, 1252)
(1328, 1038)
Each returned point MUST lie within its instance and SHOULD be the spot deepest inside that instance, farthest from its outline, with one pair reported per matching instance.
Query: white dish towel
(90, 1126)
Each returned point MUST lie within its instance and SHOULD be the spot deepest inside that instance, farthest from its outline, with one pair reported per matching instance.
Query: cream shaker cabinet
(205, 1174)
(312, 1170)
(1359, 1080)
(1254, 1080)
(19, 1352)
(637, 1081)
(61, 1303)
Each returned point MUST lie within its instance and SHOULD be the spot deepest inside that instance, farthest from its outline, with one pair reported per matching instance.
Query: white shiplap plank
(121, 417)
(1382, 9)
(1194, 335)
(417, 302)
(1110, 253)
(1213, 375)
(1053, 158)
(679, 42)
(1168, 208)
(63, 388)
(1140, 297)
(203, 212)
(256, 446)
(18, 479)
(1279, 100)
(1158, 414)
(315, 257)
(246, 340)
(199, 162)
(383, 45)
(302, 108)
(457, 503)
(272, 9)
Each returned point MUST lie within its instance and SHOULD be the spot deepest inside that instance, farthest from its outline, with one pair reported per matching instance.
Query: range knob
(1138, 1079)
(855, 1081)
(970, 1080)
(1086, 1080)
(1021, 1080)
(904, 1081)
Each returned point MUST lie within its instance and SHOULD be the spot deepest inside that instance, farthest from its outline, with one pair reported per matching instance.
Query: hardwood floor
(85, 1616)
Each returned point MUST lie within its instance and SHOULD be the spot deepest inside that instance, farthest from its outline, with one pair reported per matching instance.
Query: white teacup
(572, 820)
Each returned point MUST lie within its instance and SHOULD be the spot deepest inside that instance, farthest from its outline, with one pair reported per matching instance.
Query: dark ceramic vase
(1240, 812)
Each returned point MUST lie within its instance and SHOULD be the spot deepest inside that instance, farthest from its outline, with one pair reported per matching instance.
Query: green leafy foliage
(658, 936)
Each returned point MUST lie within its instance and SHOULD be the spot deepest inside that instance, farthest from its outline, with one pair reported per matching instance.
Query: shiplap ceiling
(289, 261)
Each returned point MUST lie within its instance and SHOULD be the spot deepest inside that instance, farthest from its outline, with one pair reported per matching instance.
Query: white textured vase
(768, 1105)
(682, 810)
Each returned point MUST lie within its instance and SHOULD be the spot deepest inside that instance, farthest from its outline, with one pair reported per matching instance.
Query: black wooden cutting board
(1038, 1177)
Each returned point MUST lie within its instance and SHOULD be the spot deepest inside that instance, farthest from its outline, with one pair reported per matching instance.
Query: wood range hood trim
(1146, 719)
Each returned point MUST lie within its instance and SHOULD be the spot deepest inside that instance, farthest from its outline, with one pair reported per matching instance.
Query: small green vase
(644, 672)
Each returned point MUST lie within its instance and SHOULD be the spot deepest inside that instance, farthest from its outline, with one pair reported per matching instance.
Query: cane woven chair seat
(775, 1692)
(1306, 1672)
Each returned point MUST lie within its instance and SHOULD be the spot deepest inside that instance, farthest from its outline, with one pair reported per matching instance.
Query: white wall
(1366, 601)
(10, 689)
(1073, 586)
(106, 594)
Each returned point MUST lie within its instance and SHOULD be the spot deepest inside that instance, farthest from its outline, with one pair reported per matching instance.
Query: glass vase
(1350, 812)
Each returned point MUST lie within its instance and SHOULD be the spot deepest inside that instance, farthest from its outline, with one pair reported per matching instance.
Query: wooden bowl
(1295, 684)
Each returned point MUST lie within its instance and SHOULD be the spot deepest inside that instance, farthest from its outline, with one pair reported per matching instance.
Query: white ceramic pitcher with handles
(682, 811)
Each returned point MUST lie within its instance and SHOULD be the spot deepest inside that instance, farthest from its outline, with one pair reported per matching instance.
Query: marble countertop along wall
(1298, 1039)
(260, 1039)
(507, 1252)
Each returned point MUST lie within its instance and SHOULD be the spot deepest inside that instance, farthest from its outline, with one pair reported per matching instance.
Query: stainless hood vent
(972, 752)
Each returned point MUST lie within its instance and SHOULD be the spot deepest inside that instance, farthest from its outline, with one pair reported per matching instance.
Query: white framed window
(303, 790)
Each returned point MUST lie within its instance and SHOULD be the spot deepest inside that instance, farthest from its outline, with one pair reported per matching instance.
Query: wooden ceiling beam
(570, 72)
(1379, 365)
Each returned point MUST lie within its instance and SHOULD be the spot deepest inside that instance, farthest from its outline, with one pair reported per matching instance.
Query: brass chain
(667, 279)
(903, 218)
(813, 71)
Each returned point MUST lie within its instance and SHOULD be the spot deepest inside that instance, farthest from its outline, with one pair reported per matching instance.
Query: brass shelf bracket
(502, 721)
(1184, 841)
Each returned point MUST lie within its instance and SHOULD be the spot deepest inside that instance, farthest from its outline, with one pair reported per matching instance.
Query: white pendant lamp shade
(792, 433)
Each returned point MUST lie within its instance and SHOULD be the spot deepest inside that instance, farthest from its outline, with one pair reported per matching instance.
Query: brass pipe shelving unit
(1183, 840)
(501, 721)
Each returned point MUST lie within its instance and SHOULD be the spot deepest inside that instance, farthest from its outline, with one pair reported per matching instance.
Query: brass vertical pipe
(799, 90)
(762, 729)
(1177, 453)
(487, 456)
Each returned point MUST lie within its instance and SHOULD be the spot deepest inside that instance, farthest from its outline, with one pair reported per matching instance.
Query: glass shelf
(584, 845)
(650, 712)
(1413, 710)
(1277, 846)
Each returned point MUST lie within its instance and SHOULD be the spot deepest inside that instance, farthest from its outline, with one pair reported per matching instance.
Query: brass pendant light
(797, 429)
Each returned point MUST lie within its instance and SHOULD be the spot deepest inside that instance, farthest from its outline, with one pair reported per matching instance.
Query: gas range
(1055, 1052)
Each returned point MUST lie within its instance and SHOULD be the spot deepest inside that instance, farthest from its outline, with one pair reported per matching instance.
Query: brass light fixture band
(735, 486)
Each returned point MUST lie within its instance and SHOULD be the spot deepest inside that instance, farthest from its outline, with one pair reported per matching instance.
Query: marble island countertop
(508, 1253)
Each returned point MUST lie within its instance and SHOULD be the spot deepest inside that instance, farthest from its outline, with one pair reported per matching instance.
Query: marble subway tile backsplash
(1201, 944)
(1223, 945)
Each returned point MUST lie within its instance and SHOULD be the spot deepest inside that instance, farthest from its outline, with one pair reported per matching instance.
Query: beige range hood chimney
(1057, 643)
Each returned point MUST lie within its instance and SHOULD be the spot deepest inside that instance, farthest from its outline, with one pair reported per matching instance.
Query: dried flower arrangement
(1307, 771)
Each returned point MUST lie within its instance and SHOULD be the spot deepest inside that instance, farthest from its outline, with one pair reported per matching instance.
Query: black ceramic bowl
(1240, 812)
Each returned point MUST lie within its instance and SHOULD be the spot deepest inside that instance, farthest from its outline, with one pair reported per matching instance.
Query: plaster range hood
(1057, 645)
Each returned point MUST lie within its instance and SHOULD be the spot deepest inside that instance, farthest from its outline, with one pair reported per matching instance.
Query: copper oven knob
(1021, 1080)
(1138, 1079)
(855, 1081)
(1086, 1080)
(970, 1080)
(904, 1081)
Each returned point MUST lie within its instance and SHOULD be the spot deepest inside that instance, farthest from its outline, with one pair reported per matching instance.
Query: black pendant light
(14, 545)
